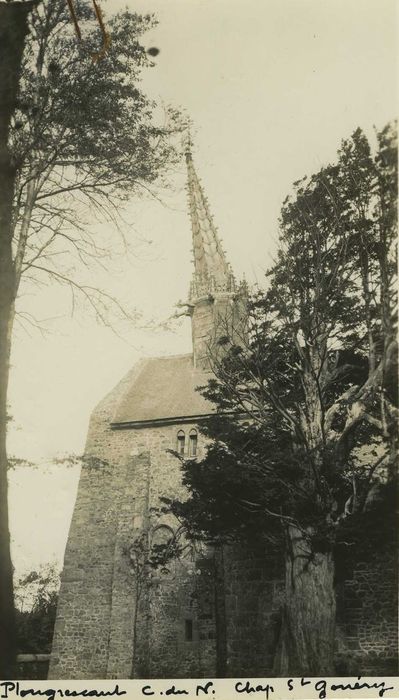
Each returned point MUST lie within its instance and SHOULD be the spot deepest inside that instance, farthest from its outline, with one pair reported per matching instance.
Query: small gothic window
(181, 442)
(188, 630)
(193, 438)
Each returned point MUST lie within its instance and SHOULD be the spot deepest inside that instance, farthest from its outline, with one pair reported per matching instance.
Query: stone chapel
(211, 614)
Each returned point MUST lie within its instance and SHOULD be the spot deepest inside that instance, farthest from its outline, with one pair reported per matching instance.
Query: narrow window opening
(193, 443)
(181, 442)
(188, 630)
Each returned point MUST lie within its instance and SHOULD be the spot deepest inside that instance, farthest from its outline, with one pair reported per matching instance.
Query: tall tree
(83, 139)
(312, 386)
(13, 30)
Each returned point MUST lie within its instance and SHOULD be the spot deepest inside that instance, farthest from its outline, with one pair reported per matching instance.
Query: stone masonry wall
(125, 473)
(183, 596)
(202, 327)
(367, 613)
(211, 319)
(81, 634)
(254, 583)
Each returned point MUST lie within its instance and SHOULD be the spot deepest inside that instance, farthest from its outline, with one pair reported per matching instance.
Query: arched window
(193, 443)
(181, 442)
(161, 535)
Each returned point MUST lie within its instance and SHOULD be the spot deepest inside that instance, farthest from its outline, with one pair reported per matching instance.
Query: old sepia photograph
(198, 339)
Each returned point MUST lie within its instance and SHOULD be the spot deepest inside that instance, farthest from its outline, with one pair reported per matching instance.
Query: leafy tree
(311, 386)
(83, 139)
(36, 606)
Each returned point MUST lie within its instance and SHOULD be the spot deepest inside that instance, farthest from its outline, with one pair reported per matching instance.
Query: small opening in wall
(193, 443)
(188, 630)
(181, 442)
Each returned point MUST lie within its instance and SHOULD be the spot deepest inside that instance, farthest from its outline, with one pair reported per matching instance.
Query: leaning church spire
(214, 297)
(212, 272)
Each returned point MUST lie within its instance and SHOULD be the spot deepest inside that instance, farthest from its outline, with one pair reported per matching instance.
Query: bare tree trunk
(13, 29)
(7, 621)
(306, 645)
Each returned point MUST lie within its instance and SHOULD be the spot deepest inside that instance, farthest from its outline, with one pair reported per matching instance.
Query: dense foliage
(314, 375)
(304, 444)
(37, 595)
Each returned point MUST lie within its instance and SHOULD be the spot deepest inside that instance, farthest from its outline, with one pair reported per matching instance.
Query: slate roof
(163, 390)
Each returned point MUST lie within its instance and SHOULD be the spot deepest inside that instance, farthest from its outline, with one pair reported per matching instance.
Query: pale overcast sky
(272, 86)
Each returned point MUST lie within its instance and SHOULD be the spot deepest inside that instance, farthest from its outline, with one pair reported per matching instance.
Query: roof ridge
(169, 357)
